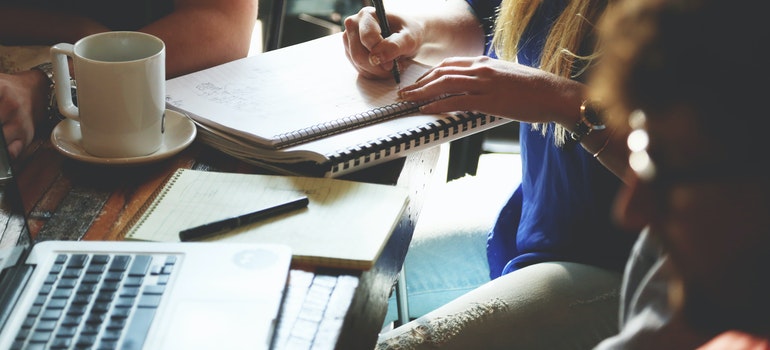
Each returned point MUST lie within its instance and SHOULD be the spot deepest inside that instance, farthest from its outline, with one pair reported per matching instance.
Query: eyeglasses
(638, 141)
(647, 171)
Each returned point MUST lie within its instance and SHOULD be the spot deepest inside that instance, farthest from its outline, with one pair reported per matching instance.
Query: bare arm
(198, 34)
(511, 90)
(26, 26)
(204, 33)
(451, 28)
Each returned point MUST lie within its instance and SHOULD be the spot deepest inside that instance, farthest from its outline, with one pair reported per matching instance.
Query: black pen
(385, 30)
(217, 227)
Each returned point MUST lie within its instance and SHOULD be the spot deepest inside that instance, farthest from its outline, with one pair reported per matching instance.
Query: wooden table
(70, 200)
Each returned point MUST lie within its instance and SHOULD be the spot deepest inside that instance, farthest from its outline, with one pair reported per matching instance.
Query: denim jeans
(554, 306)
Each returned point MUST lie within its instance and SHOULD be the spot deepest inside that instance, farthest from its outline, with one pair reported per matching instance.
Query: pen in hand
(385, 30)
(220, 226)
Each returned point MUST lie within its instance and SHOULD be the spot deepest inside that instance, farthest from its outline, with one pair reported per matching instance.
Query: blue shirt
(561, 211)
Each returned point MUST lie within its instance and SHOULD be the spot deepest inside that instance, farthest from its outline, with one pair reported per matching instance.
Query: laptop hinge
(11, 286)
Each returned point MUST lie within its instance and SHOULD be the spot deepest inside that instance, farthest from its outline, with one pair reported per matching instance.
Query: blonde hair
(570, 46)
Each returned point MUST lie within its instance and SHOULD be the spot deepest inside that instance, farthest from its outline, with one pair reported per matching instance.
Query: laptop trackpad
(203, 324)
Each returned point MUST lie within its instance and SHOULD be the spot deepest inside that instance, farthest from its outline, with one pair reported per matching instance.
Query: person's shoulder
(737, 340)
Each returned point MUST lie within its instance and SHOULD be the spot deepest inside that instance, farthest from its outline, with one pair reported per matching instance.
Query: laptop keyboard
(313, 310)
(96, 301)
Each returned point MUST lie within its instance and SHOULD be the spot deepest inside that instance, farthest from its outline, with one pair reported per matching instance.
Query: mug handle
(63, 85)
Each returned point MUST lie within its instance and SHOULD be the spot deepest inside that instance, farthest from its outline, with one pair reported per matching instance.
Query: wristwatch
(52, 109)
(590, 120)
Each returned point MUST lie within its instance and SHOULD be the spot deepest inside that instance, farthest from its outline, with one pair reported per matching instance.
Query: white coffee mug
(121, 91)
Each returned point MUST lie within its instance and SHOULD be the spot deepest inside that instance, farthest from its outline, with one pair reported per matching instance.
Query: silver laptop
(133, 295)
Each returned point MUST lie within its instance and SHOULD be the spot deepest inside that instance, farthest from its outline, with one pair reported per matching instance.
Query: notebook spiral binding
(137, 219)
(325, 129)
(413, 138)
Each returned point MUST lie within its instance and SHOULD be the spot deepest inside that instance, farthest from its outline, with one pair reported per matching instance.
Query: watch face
(582, 129)
(592, 115)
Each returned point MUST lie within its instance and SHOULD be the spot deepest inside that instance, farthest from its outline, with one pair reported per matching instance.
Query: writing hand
(370, 53)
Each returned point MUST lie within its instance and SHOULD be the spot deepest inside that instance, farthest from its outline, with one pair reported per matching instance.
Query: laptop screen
(14, 233)
(15, 239)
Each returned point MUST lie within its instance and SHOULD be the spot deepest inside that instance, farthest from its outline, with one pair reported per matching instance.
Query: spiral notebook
(345, 225)
(304, 110)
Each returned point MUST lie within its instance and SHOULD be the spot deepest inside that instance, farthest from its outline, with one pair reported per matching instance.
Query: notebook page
(254, 97)
(346, 223)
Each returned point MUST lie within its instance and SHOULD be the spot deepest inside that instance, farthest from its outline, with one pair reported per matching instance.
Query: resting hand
(497, 87)
(22, 101)
(366, 49)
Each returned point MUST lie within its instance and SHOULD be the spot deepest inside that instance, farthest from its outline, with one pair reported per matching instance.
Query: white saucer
(179, 133)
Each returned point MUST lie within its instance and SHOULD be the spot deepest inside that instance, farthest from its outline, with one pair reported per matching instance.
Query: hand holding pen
(382, 18)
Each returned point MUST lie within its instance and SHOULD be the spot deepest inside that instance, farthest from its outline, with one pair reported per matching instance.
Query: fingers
(448, 94)
(451, 77)
(456, 84)
(364, 46)
(450, 66)
(16, 112)
(451, 103)
(18, 128)
(450, 84)
(15, 148)
(14, 139)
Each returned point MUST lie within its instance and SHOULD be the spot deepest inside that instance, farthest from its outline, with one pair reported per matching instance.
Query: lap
(543, 306)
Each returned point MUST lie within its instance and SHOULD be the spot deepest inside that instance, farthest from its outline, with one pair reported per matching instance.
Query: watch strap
(590, 120)
(53, 115)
